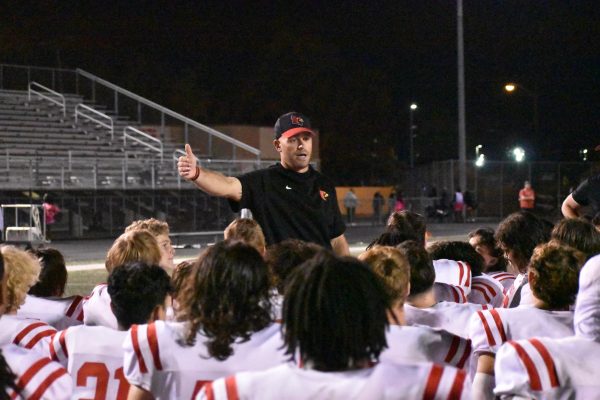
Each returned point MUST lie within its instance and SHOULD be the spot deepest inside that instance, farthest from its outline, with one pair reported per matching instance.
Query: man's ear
(277, 145)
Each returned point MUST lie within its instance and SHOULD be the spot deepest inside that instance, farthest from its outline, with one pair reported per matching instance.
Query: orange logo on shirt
(324, 194)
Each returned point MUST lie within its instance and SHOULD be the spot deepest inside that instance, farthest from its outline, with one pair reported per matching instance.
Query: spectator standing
(458, 205)
(527, 197)
(378, 203)
(350, 202)
(51, 211)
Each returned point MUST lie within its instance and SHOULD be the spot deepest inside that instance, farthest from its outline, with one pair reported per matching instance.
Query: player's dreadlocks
(334, 314)
(227, 297)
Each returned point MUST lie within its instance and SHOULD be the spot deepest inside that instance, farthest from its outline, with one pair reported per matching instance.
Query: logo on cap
(324, 194)
(297, 120)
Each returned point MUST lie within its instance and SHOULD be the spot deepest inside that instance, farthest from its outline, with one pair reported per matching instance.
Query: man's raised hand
(186, 165)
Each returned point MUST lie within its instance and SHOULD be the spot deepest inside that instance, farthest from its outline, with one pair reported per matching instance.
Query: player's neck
(396, 315)
(423, 300)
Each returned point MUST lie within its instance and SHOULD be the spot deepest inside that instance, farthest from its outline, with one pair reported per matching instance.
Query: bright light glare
(480, 160)
(519, 154)
(413, 106)
(510, 87)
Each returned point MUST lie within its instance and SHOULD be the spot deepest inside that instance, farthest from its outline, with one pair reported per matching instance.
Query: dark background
(353, 68)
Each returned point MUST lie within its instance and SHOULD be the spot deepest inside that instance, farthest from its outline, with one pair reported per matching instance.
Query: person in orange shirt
(527, 197)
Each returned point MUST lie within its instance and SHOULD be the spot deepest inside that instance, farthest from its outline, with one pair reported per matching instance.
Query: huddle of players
(295, 321)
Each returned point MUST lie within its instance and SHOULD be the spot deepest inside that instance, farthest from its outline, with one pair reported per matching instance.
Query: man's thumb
(188, 151)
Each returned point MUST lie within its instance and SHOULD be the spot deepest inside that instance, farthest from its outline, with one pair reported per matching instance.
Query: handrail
(110, 126)
(144, 134)
(172, 113)
(62, 104)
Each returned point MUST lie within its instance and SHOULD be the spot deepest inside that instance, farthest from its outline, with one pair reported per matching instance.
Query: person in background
(458, 205)
(378, 203)
(527, 197)
(51, 211)
(399, 205)
(350, 202)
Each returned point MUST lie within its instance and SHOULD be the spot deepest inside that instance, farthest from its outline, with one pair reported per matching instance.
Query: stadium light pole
(411, 132)
(512, 87)
(462, 134)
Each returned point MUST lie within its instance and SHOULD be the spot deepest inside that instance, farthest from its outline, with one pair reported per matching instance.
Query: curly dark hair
(520, 233)
(422, 273)
(458, 251)
(334, 313)
(555, 269)
(53, 276)
(227, 297)
(283, 257)
(578, 233)
(485, 238)
(135, 290)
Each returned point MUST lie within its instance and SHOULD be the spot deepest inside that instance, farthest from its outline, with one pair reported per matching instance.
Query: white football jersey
(37, 376)
(506, 279)
(24, 332)
(452, 317)
(489, 329)
(384, 381)
(58, 312)
(455, 273)
(520, 280)
(446, 292)
(157, 360)
(96, 308)
(93, 355)
(407, 344)
(486, 290)
(544, 368)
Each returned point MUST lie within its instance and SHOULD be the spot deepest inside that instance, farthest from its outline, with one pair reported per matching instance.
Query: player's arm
(137, 393)
(211, 182)
(570, 208)
(340, 246)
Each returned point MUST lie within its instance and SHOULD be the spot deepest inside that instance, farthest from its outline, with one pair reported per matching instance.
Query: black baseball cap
(291, 124)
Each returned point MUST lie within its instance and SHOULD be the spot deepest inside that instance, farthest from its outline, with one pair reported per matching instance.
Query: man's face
(295, 151)
(166, 252)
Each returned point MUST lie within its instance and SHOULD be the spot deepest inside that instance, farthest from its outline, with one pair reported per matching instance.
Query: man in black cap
(289, 199)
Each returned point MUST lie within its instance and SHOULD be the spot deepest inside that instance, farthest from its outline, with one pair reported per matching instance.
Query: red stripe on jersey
(80, 316)
(209, 392)
(462, 294)
(153, 341)
(466, 355)
(461, 272)
(73, 306)
(453, 349)
(483, 292)
(51, 348)
(484, 307)
(486, 327)
(487, 286)
(547, 360)
(27, 329)
(457, 386)
(50, 379)
(433, 381)
(468, 283)
(63, 342)
(231, 388)
(454, 294)
(534, 378)
(136, 349)
(498, 321)
(505, 301)
(31, 372)
(39, 337)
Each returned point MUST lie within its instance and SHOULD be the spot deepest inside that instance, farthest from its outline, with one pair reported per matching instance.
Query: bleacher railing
(47, 94)
(81, 110)
(135, 136)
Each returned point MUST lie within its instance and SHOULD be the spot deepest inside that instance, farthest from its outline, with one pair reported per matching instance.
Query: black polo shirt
(288, 204)
(588, 193)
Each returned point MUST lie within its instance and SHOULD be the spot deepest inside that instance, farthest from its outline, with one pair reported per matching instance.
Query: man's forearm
(340, 246)
(217, 184)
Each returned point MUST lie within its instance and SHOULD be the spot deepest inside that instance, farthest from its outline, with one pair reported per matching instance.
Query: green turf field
(82, 282)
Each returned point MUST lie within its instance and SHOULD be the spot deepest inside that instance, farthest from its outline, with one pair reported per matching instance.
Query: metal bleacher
(107, 154)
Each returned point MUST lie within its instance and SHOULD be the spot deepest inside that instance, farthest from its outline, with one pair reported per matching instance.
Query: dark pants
(350, 214)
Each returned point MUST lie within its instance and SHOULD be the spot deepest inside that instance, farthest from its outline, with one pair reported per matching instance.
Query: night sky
(354, 69)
